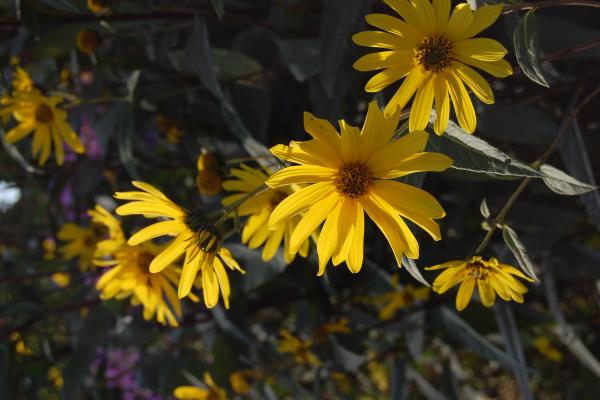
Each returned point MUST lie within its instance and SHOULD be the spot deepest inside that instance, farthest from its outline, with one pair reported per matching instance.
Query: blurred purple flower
(93, 148)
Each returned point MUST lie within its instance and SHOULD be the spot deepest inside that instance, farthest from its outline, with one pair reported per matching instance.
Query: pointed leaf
(527, 49)
(518, 249)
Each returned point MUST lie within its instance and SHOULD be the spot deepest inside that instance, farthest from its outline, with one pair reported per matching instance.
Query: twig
(550, 3)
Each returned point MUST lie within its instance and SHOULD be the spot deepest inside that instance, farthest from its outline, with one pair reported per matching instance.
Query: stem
(499, 219)
(550, 3)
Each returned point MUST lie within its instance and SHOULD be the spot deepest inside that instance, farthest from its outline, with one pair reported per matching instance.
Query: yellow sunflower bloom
(41, 115)
(401, 297)
(299, 348)
(129, 276)
(353, 173)
(116, 237)
(433, 51)
(211, 392)
(259, 208)
(81, 242)
(490, 277)
(199, 241)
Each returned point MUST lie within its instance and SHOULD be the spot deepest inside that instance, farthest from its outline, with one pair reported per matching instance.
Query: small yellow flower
(41, 115)
(61, 279)
(299, 348)
(49, 246)
(20, 345)
(259, 208)
(87, 41)
(22, 82)
(55, 376)
(343, 382)
(544, 346)
(241, 381)
(490, 277)
(330, 328)
(81, 242)
(97, 6)
(211, 392)
(379, 375)
(353, 173)
(128, 276)
(194, 237)
(433, 51)
(115, 239)
(209, 173)
(169, 127)
(401, 297)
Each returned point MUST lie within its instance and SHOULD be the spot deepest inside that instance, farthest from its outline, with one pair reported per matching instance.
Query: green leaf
(484, 209)
(475, 155)
(512, 342)
(413, 270)
(562, 183)
(349, 360)
(198, 59)
(219, 6)
(527, 49)
(124, 140)
(518, 249)
(464, 333)
(233, 65)
(301, 57)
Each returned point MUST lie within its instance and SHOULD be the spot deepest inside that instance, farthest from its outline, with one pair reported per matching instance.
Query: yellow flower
(343, 382)
(87, 41)
(544, 346)
(211, 392)
(351, 174)
(401, 297)
(194, 237)
(22, 82)
(96, 6)
(169, 127)
(240, 380)
(209, 174)
(36, 113)
(61, 279)
(81, 242)
(329, 328)
(259, 208)
(434, 52)
(298, 347)
(129, 276)
(20, 345)
(491, 277)
(116, 237)
(49, 246)
(56, 377)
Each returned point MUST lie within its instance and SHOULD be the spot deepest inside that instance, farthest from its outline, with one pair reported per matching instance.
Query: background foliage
(234, 76)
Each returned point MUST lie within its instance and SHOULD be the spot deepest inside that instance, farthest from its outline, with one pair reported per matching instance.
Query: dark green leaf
(198, 59)
(472, 154)
(484, 209)
(413, 270)
(527, 49)
(399, 389)
(347, 359)
(462, 332)
(233, 65)
(518, 249)
(562, 183)
(219, 6)
(301, 57)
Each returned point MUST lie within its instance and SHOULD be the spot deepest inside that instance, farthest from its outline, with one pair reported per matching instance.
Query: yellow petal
(170, 228)
(487, 294)
(210, 287)
(442, 105)
(322, 131)
(425, 14)
(312, 219)
(406, 91)
(190, 393)
(191, 265)
(409, 35)
(169, 254)
(499, 69)
(463, 107)
(465, 291)
(483, 17)
(382, 40)
(385, 78)
(328, 239)
(480, 87)
(421, 108)
(301, 174)
(355, 256)
(407, 12)
(410, 198)
(482, 49)
(70, 137)
(389, 155)
(20, 131)
(298, 202)
(223, 281)
(59, 151)
(461, 18)
(273, 243)
(345, 229)
(442, 13)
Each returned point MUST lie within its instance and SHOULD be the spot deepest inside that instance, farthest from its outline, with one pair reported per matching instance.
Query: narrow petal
(482, 49)
(410, 198)
(486, 293)
(345, 229)
(420, 162)
(210, 287)
(69, 136)
(407, 12)
(328, 239)
(461, 18)
(406, 91)
(310, 152)
(425, 14)
(350, 143)
(223, 281)
(162, 228)
(463, 107)
(465, 292)
(498, 69)
(59, 151)
(169, 255)
(395, 26)
(298, 202)
(322, 131)
(382, 40)
(480, 87)
(421, 108)
(273, 243)
(301, 174)
(355, 256)
(188, 274)
(385, 78)
(483, 17)
(20, 131)
(389, 155)
(442, 14)
(442, 104)
(312, 219)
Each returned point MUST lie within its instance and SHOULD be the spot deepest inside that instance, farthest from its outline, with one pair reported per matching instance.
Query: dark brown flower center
(435, 53)
(43, 114)
(353, 180)
(478, 270)
(144, 259)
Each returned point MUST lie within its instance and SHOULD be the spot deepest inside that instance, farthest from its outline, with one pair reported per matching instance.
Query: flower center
(353, 180)
(478, 270)
(435, 53)
(144, 259)
(209, 239)
(43, 114)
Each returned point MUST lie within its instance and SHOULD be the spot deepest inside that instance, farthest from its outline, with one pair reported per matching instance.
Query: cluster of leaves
(234, 77)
